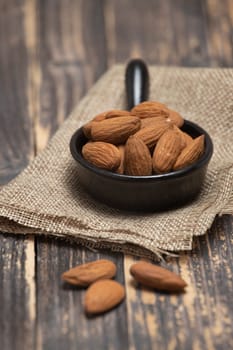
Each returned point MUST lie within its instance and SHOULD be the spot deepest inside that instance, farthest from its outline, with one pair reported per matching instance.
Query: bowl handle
(136, 82)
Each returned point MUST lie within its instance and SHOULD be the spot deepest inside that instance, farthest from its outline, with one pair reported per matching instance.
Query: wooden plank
(180, 33)
(73, 56)
(218, 24)
(183, 33)
(202, 317)
(62, 323)
(16, 140)
(17, 292)
(161, 32)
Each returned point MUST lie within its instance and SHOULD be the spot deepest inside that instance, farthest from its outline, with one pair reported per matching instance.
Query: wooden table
(51, 53)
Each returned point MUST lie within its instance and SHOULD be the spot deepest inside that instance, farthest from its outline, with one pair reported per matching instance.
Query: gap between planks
(33, 98)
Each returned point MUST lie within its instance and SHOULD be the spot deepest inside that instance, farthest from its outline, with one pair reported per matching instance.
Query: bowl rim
(202, 161)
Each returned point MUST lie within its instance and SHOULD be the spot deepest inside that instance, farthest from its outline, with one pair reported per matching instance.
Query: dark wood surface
(51, 53)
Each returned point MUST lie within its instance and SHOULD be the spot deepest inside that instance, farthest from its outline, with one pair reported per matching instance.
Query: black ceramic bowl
(143, 193)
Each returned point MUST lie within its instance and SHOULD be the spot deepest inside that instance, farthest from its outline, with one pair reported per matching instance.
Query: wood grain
(183, 33)
(61, 321)
(73, 57)
(201, 318)
(51, 53)
(16, 137)
(17, 291)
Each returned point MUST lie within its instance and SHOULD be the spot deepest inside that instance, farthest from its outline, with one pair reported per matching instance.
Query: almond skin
(100, 116)
(150, 121)
(157, 277)
(115, 130)
(85, 274)
(185, 138)
(166, 152)
(176, 118)
(87, 129)
(150, 109)
(115, 113)
(120, 169)
(150, 134)
(190, 153)
(138, 160)
(102, 296)
(102, 154)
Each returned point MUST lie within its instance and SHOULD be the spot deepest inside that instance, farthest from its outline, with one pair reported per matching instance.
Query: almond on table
(85, 274)
(102, 296)
(157, 277)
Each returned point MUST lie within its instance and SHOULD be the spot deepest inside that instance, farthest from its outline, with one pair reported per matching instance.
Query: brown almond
(190, 153)
(102, 154)
(87, 129)
(185, 138)
(115, 130)
(120, 169)
(157, 277)
(85, 274)
(150, 121)
(166, 151)
(150, 109)
(150, 134)
(102, 296)
(138, 160)
(175, 118)
(115, 113)
(100, 116)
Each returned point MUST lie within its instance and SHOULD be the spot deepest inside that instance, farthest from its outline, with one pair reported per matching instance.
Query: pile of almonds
(103, 293)
(144, 141)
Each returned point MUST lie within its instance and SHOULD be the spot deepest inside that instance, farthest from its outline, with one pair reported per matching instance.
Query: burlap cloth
(47, 198)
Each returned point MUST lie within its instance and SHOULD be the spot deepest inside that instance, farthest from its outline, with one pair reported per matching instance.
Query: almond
(138, 160)
(100, 116)
(157, 277)
(85, 274)
(176, 118)
(150, 134)
(150, 121)
(115, 130)
(190, 153)
(87, 129)
(120, 169)
(166, 151)
(150, 109)
(185, 138)
(102, 296)
(115, 113)
(102, 154)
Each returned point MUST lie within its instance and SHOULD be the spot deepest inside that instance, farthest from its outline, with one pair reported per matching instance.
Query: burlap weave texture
(47, 198)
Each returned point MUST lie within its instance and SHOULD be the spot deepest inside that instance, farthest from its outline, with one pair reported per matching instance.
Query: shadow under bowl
(143, 193)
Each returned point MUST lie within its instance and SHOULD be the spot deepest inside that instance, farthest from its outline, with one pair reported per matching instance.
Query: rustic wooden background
(51, 53)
